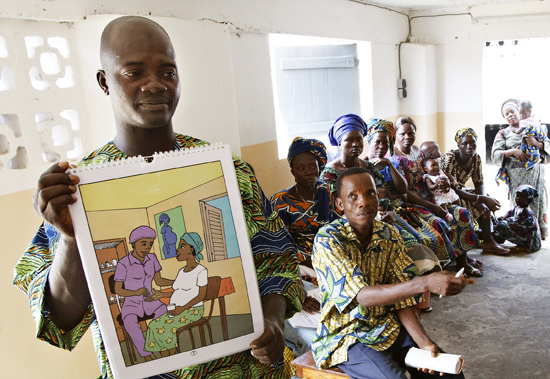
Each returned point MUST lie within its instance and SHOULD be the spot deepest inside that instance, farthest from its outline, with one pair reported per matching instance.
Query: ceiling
(440, 5)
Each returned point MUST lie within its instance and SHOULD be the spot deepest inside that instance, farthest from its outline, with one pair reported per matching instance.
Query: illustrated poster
(140, 226)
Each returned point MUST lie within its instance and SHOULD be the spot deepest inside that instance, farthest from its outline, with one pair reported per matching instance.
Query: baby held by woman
(438, 183)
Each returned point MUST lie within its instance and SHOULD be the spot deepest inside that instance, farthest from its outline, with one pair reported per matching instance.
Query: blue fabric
(345, 124)
(301, 145)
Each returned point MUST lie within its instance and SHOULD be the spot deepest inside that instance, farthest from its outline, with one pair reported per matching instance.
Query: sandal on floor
(496, 250)
(475, 263)
(473, 272)
(426, 310)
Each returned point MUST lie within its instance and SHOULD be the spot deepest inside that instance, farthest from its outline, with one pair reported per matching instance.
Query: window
(315, 81)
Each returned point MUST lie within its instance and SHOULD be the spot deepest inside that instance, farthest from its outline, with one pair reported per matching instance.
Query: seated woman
(459, 234)
(463, 164)
(304, 208)
(381, 136)
(519, 225)
(421, 241)
(405, 135)
(189, 292)
(347, 133)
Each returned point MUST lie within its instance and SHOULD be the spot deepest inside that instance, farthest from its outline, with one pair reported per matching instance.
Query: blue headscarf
(194, 240)
(345, 124)
(300, 145)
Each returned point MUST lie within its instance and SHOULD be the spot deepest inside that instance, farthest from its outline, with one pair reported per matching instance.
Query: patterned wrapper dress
(506, 139)
(459, 234)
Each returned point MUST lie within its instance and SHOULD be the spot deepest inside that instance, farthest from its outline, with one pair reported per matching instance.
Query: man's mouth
(154, 104)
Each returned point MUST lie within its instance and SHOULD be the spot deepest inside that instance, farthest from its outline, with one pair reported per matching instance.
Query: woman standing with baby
(514, 161)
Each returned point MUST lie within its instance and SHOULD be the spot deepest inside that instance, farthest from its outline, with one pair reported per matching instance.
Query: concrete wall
(223, 56)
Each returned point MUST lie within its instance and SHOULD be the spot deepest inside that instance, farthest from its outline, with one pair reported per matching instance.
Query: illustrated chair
(130, 346)
(212, 293)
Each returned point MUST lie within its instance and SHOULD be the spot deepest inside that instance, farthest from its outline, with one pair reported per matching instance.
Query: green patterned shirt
(274, 257)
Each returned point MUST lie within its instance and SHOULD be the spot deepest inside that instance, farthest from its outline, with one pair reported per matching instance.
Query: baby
(385, 206)
(519, 225)
(531, 127)
(526, 117)
(439, 184)
(430, 149)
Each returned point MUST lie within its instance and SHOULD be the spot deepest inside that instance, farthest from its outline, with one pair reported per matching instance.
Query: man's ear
(102, 81)
(340, 204)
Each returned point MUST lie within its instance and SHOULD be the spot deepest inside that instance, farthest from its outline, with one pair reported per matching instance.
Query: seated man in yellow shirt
(369, 286)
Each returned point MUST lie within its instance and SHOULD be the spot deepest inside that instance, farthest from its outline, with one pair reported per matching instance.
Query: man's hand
(434, 349)
(444, 283)
(271, 344)
(268, 349)
(53, 195)
(311, 305)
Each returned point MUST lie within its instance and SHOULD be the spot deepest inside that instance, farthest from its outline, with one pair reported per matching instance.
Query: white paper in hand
(447, 363)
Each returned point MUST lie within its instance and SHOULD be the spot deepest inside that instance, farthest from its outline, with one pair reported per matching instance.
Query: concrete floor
(500, 325)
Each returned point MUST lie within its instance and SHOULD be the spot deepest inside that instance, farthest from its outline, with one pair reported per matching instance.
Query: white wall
(306, 17)
(419, 69)
(385, 72)
(203, 52)
(254, 91)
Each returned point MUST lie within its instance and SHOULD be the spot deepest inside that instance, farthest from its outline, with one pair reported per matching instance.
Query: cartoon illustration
(176, 202)
(186, 300)
(168, 236)
(133, 279)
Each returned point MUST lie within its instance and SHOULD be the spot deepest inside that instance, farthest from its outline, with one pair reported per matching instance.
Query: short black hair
(426, 159)
(349, 172)
(526, 104)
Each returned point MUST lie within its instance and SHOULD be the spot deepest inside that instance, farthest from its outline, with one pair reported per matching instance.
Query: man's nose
(153, 84)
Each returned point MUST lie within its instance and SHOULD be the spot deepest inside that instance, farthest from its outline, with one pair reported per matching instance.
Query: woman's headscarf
(345, 124)
(387, 204)
(510, 102)
(142, 232)
(194, 240)
(300, 145)
(376, 125)
(464, 132)
(528, 191)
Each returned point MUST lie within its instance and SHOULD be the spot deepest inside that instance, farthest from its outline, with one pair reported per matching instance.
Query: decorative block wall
(42, 117)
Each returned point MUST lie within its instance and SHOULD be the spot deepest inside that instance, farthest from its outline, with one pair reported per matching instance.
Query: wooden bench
(306, 369)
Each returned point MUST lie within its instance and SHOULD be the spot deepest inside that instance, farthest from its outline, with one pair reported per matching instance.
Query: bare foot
(494, 249)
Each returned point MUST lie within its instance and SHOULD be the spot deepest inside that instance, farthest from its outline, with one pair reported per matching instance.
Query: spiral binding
(141, 159)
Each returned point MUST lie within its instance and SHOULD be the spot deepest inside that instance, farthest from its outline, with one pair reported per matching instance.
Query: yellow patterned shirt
(343, 268)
